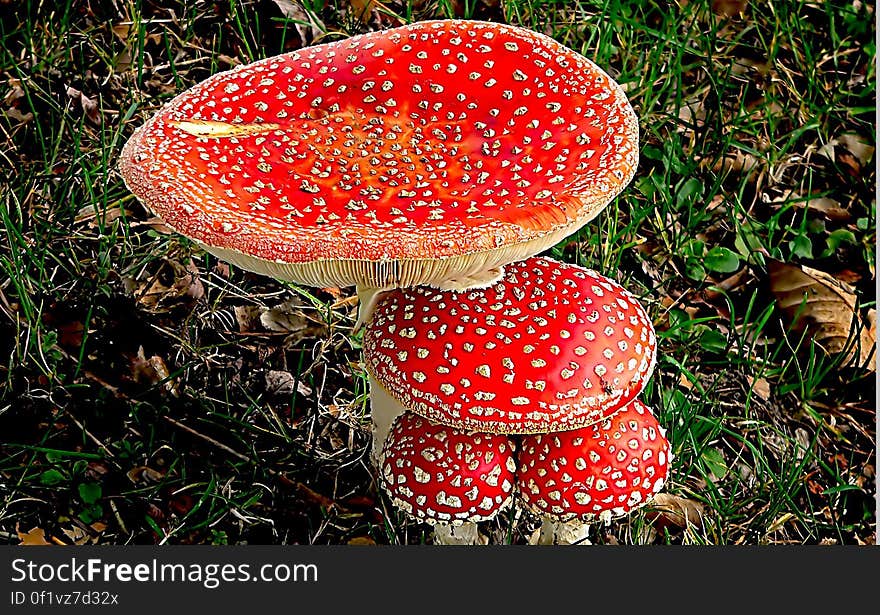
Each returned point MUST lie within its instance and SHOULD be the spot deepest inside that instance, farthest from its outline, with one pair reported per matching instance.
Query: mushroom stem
(555, 532)
(367, 299)
(463, 534)
(383, 410)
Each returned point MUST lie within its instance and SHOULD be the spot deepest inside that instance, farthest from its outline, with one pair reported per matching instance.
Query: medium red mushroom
(551, 347)
(434, 153)
(599, 472)
(447, 477)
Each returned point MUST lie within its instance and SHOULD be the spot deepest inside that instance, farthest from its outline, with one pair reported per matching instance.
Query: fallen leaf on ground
(691, 114)
(222, 269)
(88, 105)
(34, 537)
(334, 291)
(362, 540)
(159, 293)
(858, 147)
(737, 162)
(121, 30)
(760, 386)
(676, 510)
(830, 208)
(90, 213)
(307, 24)
(288, 318)
(248, 317)
(156, 224)
(826, 207)
(80, 536)
(728, 8)
(362, 10)
(190, 281)
(279, 382)
(285, 317)
(826, 309)
(14, 92)
(145, 474)
(18, 116)
(151, 371)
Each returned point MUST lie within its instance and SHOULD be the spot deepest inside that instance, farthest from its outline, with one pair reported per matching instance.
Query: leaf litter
(826, 309)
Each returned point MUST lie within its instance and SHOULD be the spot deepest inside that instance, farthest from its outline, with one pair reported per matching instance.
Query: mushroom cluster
(529, 388)
(426, 165)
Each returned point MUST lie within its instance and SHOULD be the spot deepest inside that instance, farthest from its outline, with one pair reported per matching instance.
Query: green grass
(133, 409)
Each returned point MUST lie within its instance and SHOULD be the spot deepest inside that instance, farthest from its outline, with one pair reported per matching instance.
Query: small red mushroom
(445, 476)
(433, 153)
(553, 346)
(603, 471)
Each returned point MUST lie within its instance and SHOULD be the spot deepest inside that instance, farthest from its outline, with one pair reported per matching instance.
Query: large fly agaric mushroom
(599, 472)
(447, 477)
(434, 153)
(551, 347)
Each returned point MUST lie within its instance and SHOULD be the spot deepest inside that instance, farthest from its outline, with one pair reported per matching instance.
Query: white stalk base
(464, 534)
(383, 410)
(554, 532)
(367, 300)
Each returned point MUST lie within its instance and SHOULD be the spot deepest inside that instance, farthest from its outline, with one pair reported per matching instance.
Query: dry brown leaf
(285, 317)
(98, 527)
(829, 208)
(760, 386)
(362, 10)
(676, 510)
(12, 98)
(78, 535)
(190, 281)
(307, 24)
(362, 540)
(334, 291)
(858, 147)
(691, 115)
(151, 371)
(222, 269)
(279, 382)
(142, 369)
(288, 318)
(18, 116)
(156, 296)
(156, 224)
(89, 213)
(121, 30)
(728, 8)
(145, 474)
(848, 276)
(248, 317)
(14, 92)
(684, 382)
(34, 537)
(89, 105)
(737, 162)
(826, 309)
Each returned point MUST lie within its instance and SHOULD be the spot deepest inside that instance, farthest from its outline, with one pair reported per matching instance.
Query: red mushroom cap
(438, 474)
(466, 142)
(552, 346)
(605, 470)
